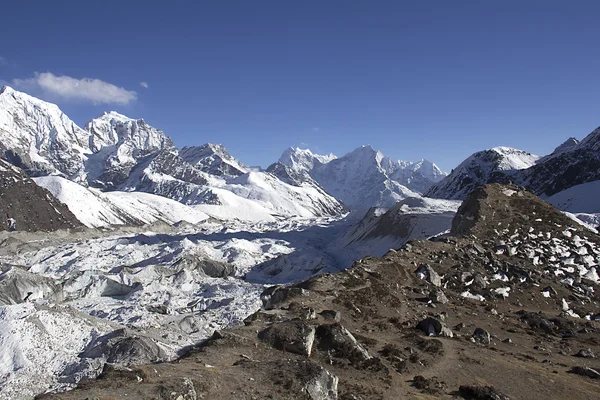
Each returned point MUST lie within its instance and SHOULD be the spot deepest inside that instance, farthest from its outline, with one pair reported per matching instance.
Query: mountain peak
(592, 140)
(114, 115)
(213, 159)
(6, 89)
(303, 160)
(566, 145)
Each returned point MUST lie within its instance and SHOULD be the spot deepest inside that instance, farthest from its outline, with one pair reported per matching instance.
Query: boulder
(342, 343)
(427, 273)
(482, 336)
(481, 393)
(433, 327)
(322, 386)
(586, 371)
(293, 336)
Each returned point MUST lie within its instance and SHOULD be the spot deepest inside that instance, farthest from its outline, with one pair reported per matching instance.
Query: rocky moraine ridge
(505, 306)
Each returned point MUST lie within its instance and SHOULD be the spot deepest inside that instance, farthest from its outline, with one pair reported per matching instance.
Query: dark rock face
(586, 371)
(213, 159)
(33, 208)
(571, 164)
(288, 175)
(560, 172)
(337, 339)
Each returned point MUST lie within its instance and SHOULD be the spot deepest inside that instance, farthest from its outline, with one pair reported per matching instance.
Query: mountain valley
(160, 271)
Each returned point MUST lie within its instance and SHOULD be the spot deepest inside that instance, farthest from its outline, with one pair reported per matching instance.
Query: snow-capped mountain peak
(303, 160)
(112, 128)
(213, 159)
(39, 137)
(488, 166)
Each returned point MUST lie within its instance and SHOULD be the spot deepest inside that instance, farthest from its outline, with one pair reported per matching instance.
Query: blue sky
(415, 79)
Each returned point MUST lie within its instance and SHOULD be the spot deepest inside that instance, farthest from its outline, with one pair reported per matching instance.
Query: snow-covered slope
(38, 137)
(584, 198)
(95, 208)
(213, 159)
(411, 218)
(499, 164)
(304, 200)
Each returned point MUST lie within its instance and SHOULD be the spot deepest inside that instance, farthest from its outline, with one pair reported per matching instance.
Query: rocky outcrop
(32, 207)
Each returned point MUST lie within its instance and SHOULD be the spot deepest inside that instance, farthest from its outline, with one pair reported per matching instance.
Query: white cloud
(94, 90)
(144, 84)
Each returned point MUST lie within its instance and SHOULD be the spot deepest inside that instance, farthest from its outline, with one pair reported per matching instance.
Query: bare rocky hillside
(32, 207)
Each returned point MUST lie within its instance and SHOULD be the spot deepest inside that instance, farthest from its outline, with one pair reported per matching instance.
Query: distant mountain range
(116, 153)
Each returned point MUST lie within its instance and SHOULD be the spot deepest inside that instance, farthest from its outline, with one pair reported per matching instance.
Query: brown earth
(359, 326)
(31, 206)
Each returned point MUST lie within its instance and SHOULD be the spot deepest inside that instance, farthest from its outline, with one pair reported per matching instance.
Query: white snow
(578, 199)
(95, 208)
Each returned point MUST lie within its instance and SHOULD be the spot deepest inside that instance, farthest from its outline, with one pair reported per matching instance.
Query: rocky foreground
(505, 307)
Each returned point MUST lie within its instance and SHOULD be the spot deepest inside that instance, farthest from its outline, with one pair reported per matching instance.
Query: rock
(331, 315)
(481, 393)
(434, 327)
(135, 350)
(338, 339)
(293, 336)
(479, 282)
(426, 272)
(585, 353)
(507, 340)
(428, 385)
(586, 371)
(278, 294)
(438, 296)
(322, 386)
(538, 322)
(482, 336)
(158, 308)
(189, 325)
(211, 268)
(123, 348)
(549, 292)
(460, 326)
